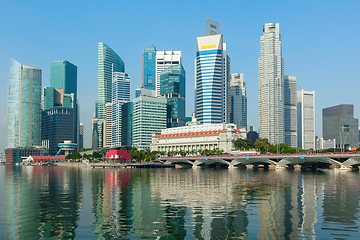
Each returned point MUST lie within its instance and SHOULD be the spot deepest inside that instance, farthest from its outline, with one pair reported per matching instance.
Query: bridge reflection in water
(342, 161)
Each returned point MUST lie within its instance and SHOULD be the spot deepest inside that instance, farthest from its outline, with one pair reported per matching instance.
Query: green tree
(243, 143)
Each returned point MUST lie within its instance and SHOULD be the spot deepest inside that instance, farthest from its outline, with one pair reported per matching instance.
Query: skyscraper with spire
(271, 85)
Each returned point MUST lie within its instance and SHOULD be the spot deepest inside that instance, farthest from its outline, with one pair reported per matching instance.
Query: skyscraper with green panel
(63, 75)
(172, 87)
(108, 62)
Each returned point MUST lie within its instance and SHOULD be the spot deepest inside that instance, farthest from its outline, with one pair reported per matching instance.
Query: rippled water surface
(84, 203)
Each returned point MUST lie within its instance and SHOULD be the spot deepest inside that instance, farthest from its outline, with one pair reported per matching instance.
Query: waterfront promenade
(310, 160)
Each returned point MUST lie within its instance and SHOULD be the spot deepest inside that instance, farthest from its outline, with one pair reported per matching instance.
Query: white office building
(306, 119)
(271, 85)
(120, 95)
(165, 59)
(290, 102)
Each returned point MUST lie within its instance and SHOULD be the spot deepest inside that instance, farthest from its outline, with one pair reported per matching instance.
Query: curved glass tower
(24, 106)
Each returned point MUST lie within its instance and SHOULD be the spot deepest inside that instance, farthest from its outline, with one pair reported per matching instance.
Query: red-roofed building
(197, 137)
(118, 155)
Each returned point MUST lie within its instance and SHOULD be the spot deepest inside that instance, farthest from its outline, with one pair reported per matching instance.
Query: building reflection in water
(45, 202)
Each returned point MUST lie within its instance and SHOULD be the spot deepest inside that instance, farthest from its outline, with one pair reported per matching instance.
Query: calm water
(83, 203)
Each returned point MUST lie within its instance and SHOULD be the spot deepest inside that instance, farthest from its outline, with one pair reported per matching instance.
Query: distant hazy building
(322, 143)
(120, 95)
(149, 117)
(108, 62)
(238, 100)
(212, 80)
(23, 106)
(172, 87)
(290, 101)
(148, 68)
(127, 124)
(94, 130)
(271, 85)
(81, 136)
(339, 123)
(144, 92)
(212, 27)
(165, 59)
(252, 136)
(306, 119)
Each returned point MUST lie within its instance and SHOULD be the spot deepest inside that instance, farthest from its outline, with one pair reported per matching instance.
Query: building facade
(148, 68)
(172, 87)
(23, 106)
(165, 59)
(127, 122)
(339, 124)
(212, 27)
(149, 117)
(81, 136)
(108, 126)
(306, 119)
(212, 80)
(271, 85)
(290, 103)
(108, 62)
(238, 100)
(197, 138)
(120, 95)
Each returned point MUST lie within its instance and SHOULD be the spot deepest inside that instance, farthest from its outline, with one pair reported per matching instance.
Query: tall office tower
(271, 85)
(149, 117)
(108, 125)
(120, 95)
(63, 75)
(339, 123)
(127, 122)
(212, 27)
(148, 68)
(306, 119)
(238, 100)
(165, 59)
(57, 118)
(81, 136)
(212, 80)
(23, 106)
(290, 101)
(108, 62)
(172, 87)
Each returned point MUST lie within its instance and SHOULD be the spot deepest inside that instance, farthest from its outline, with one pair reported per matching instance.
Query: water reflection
(50, 202)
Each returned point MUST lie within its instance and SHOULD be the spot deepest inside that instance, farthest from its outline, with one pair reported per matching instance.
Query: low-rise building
(197, 137)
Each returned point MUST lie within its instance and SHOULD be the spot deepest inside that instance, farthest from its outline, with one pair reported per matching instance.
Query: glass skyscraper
(120, 96)
(127, 122)
(271, 85)
(108, 62)
(148, 68)
(238, 100)
(172, 87)
(23, 106)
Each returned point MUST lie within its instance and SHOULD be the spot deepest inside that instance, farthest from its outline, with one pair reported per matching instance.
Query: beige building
(197, 137)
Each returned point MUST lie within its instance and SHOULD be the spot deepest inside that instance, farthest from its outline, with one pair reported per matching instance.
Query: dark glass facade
(172, 87)
(149, 64)
(57, 126)
(127, 123)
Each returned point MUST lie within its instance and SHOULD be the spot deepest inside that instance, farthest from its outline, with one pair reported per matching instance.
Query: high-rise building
(94, 129)
(212, 27)
(81, 136)
(290, 101)
(238, 100)
(339, 123)
(63, 75)
(306, 119)
(165, 59)
(212, 80)
(149, 117)
(23, 106)
(108, 125)
(172, 87)
(108, 62)
(144, 92)
(127, 122)
(120, 95)
(271, 85)
(148, 68)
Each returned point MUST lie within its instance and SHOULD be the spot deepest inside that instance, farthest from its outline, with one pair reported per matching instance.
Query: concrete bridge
(342, 161)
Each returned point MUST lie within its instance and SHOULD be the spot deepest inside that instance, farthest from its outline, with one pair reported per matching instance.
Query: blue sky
(320, 43)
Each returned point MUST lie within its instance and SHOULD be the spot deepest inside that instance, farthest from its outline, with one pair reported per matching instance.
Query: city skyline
(310, 60)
